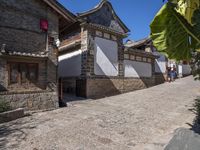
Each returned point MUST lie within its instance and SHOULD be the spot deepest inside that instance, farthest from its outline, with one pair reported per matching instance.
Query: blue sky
(136, 14)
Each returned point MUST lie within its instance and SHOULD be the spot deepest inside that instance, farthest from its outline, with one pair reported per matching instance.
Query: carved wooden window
(99, 33)
(14, 74)
(22, 72)
(33, 72)
(106, 35)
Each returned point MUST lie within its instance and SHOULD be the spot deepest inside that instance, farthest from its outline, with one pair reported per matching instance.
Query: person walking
(172, 74)
(169, 74)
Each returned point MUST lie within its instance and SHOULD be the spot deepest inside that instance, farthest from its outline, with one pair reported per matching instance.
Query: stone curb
(11, 115)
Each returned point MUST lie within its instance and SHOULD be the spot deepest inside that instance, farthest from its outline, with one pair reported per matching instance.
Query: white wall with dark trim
(105, 57)
(137, 69)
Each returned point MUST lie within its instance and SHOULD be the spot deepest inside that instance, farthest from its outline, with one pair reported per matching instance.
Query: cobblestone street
(140, 120)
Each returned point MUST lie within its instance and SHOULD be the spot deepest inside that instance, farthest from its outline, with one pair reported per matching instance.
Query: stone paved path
(141, 120)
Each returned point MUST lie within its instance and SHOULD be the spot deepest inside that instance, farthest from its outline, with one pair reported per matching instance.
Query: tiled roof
(138, 51)
(70, 40)
(58, 7)
(4, 52)
(105, 28)
(134, 44)
(70, 45)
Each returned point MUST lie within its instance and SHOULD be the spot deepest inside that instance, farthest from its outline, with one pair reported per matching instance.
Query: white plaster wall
(69, 64)
(160, 63)
(186, 69)
(137, 69)
(180, 70)
(105, 57)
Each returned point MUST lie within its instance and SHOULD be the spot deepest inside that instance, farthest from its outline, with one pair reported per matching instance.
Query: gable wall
(104, 54)
(105, 17)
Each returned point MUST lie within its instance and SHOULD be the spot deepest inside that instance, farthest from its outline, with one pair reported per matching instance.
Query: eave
(10, 54)
(69, 46)
(138, 43)
(103, 28)
(60, 9)
(140, 53)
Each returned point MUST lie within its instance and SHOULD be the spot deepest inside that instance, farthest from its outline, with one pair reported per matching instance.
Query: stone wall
(41, 84)
(3, 76)
(31, 101)
(20, 31)
(69, 85)
(160, 78)
(103, 87)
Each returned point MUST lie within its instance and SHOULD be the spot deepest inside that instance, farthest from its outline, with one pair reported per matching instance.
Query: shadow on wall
(51, 76)
(195, 126)
(159, 73)
(70, 64)
(106, 81)
(105, 57)
(104, 86)
(160, 69)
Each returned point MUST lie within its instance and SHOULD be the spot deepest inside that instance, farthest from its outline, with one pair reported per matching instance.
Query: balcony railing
(70, 40)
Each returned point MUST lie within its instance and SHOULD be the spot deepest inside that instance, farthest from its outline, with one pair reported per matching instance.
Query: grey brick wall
(20, 31)
(20, 24)
(103, 87)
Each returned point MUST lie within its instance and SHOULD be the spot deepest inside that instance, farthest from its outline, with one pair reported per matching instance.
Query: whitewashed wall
(69, 64)
(186, 69)
(106, 57)
(137, 69)
(160, 63)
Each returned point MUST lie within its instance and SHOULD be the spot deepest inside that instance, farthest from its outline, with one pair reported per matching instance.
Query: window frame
(10, 73)
(19, 72)
(36, 72)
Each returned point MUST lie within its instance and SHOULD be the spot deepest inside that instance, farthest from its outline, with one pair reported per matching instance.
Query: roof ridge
(93, 9)
(99, 6)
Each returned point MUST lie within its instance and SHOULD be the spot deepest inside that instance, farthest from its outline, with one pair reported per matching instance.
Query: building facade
(29, 34)
(93, 61)
(162, 63)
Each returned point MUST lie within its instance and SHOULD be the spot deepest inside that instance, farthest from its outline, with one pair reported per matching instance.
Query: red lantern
(44, 24)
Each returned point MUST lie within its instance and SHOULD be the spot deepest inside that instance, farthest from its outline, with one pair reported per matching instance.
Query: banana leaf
(172, 34)
(196, 29)
(186, 8)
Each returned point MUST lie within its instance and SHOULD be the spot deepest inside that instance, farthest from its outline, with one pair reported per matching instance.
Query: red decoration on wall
(44, 24)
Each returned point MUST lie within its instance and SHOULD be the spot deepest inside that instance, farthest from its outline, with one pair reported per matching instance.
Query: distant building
(162, 63)
(29, 35)
(93, 61)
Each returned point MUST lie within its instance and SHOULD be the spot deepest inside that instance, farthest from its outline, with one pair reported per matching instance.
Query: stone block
(11, 115)
(184, 139)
